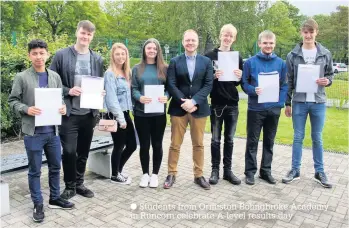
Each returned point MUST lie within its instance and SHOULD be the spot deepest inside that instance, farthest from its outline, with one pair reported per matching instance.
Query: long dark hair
(161, 66)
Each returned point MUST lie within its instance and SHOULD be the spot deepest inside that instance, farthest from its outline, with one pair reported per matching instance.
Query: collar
(190, 57)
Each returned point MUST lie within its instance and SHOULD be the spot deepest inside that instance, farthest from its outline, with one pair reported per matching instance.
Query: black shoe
(120, 179)
(214, 177)
(170, 179)
(68, 193)
(38, 213)
(83, 191)
(322, 179)
(249, 180)
(202, 182)
(291, 176)
(229, 176)
(268, 178)
(60, 203)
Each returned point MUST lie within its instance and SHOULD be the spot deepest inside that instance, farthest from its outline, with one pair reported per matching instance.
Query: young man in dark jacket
(77, 126)
(262, 115)
(43, 138)
(303, 104)
(224, 108)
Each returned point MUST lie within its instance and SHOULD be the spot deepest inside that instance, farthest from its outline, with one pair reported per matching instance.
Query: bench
(13, 162)
(98, 162)
(4, 198)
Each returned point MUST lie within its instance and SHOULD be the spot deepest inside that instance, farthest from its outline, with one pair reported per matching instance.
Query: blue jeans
(34, 146)
(228, 115)
(300, 111)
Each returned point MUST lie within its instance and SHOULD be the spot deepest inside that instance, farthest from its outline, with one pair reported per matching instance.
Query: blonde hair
(161, 66)
(190, 30)
(310, 24)
(126, 66)
(266, 34)
(229, 28)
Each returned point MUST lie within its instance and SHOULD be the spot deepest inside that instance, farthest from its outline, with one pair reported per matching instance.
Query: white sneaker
(144, 181)
(154, 181)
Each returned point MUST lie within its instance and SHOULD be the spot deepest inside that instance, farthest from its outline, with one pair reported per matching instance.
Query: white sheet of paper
(306, 78)
(269, 82)
(228, 61)
(49, 100)
(154, 91)
(91, 96)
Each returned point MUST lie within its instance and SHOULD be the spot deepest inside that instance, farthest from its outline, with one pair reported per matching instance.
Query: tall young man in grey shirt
(76, 132)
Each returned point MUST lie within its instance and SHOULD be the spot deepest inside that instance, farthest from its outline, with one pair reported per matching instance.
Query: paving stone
(111, 206)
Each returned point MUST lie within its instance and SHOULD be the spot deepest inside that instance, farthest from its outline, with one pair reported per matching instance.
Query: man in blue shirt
(189, 82)
(262, 115)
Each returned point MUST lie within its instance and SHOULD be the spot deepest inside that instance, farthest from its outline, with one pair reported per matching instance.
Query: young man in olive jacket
(43, 138)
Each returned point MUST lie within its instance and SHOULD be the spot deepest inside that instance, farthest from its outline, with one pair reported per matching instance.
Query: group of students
(188, 81)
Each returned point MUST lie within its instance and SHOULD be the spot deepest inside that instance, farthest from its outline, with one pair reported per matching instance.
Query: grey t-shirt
(83, 67)
(309, 58)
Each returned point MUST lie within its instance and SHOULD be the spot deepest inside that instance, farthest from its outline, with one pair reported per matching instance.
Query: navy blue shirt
(43, 82)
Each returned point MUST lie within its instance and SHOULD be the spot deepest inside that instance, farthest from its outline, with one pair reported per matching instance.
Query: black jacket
(224, 93)
(179, 85)
(64, 63)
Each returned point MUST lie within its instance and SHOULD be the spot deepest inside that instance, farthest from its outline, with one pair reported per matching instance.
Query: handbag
(107, 125)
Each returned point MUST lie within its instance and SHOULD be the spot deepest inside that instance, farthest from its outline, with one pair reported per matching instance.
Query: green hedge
(14, 59)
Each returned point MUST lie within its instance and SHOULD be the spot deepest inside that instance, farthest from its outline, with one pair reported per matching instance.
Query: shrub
(341, 76)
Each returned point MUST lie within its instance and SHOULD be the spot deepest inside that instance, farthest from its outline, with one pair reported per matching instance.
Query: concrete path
(303, 203)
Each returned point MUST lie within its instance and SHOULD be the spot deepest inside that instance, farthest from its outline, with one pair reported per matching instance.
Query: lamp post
(167, 50)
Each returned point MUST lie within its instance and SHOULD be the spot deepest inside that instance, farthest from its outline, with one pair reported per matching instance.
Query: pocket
(32, 143)
(121, 90)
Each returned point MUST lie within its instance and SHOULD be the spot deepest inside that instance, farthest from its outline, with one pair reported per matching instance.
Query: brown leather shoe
(170, 179)
(202, 182)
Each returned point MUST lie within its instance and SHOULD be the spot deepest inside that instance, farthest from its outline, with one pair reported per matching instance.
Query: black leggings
(124, 144)
(150, 129)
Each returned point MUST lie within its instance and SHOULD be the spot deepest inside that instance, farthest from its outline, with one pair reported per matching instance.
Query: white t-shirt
(309, 58)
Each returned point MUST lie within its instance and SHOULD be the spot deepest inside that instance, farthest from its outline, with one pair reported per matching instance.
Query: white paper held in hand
(228, 61)
(154, 92)
(269, 82)
(49, 100)
(91, 96)
(306, 78)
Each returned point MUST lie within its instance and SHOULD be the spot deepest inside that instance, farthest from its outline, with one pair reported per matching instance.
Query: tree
(276, 19)
(10, 19)
(58, 17)
(333, 32)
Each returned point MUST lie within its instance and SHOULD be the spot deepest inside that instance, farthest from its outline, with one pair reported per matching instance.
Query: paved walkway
(302, 203)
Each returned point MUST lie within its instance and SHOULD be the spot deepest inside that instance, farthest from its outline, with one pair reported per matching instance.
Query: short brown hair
(87, 25)
(310, 24)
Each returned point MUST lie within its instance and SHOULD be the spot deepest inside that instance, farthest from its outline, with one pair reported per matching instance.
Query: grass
(335, 134)
(338, 90)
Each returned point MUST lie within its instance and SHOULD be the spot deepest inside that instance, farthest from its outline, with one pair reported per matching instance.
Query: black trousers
(124, 144)
(229, 116)
(256, 120)
(150, 129)
(76, 134)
